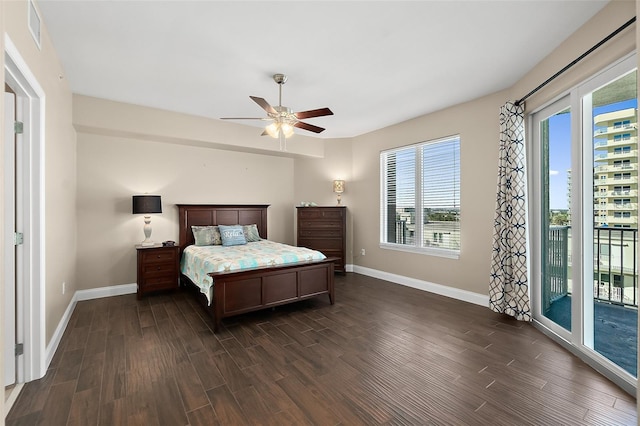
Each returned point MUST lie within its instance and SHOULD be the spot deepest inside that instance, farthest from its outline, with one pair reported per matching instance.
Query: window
(622, 137)
(619, 176)
(622, 164)
(621, 124)
(622, 150)
(420, 197)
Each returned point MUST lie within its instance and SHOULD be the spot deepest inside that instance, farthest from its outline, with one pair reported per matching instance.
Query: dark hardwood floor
(383, 354)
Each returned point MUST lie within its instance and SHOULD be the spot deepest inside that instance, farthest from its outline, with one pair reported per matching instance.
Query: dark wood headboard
(219, 214)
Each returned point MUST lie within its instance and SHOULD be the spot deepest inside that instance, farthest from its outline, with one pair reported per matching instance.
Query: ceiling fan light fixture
(287, 129)
(284, 119)
(274, 129)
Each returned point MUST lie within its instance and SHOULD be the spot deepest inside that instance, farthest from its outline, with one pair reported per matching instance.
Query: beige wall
(313, 181)
(602, 24)
(111, 169)
(126, 149)
(476, 123)
(60, 155)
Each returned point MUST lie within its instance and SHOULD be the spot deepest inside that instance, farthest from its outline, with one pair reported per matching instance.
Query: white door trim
(9, 247)
(31, 290)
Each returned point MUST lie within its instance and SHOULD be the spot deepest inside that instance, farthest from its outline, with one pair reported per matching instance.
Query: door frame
(574, 341)
(30, 291)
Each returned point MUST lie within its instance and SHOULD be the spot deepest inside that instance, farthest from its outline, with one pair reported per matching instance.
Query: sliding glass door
(585, 220)
(554, 133)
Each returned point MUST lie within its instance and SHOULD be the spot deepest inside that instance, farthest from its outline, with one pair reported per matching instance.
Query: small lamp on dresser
(146, 205)
(338, 188)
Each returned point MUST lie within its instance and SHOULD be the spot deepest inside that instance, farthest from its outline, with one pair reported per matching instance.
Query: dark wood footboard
(238, 292)
(247, 291)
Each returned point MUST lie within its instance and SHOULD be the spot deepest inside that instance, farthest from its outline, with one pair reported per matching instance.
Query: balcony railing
(604, 143)
(615, 274)
(615, 167)
(615, 257)
(556, 276)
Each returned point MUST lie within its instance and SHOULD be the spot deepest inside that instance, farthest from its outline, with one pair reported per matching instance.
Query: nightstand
(158, 268)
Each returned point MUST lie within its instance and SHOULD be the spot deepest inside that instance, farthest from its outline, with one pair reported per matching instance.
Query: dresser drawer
(158, 256)
(321, 244)
(313, 213)
(319, 224)
(321, 233)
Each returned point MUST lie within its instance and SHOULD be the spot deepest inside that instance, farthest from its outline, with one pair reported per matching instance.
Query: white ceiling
(374, 63)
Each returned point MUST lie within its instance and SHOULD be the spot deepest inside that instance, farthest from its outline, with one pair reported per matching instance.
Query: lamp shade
(338, 186)
(145, 204)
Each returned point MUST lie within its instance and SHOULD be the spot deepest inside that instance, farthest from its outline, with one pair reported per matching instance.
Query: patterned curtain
(509, 283)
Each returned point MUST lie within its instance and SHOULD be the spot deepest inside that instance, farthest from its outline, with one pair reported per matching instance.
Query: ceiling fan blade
(309, 127)
(313, 113)
(245, 118)
(263, 104)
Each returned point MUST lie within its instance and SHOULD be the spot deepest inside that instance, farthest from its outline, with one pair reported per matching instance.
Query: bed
(237, 292)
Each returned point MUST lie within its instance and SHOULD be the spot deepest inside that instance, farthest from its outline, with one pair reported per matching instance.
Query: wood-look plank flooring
(383, 354)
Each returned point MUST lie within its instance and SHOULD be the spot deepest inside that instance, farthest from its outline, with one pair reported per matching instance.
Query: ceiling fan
(284, 119)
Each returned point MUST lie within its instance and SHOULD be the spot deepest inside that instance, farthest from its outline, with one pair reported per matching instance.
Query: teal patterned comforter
(198, 261)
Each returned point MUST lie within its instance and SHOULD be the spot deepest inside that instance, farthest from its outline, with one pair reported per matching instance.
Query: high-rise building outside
(616, 169)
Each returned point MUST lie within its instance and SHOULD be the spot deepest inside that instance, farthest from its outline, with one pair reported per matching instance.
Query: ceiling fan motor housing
(280, 78)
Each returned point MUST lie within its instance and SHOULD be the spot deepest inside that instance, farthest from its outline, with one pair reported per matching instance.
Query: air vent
(34, 23)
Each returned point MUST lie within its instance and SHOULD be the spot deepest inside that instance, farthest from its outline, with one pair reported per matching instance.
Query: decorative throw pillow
(206, 235)
(232, 235)
(251, 233)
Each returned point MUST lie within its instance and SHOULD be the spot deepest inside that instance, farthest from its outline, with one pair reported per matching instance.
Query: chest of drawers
(324, 229)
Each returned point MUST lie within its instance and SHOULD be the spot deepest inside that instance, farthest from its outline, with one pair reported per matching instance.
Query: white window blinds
(420, 196)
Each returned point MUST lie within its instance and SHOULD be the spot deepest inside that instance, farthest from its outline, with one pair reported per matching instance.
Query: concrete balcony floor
(616, 330)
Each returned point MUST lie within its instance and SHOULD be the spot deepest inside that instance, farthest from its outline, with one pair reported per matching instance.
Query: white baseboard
(98, 293)
(443, 290)
(94, 293)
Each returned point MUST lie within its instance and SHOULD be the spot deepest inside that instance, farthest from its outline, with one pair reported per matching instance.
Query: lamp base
(147, 233)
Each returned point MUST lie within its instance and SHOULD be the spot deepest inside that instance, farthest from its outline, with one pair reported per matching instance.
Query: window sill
(429, 251)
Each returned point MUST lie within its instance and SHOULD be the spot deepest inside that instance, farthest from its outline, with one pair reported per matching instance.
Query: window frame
(418, 200)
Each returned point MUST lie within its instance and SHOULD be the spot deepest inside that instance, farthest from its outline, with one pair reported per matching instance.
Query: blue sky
(560, 151)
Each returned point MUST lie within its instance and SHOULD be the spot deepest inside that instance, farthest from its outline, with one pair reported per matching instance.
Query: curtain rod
(581, 57)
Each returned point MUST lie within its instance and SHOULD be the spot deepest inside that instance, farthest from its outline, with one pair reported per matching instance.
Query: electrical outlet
(363, 252)
(64, 287)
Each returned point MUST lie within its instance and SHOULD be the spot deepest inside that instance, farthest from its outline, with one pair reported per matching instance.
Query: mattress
(198, 261)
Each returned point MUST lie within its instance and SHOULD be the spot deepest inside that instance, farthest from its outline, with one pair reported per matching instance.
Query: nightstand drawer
(158, 256)
(160, 282)
(148, 269)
